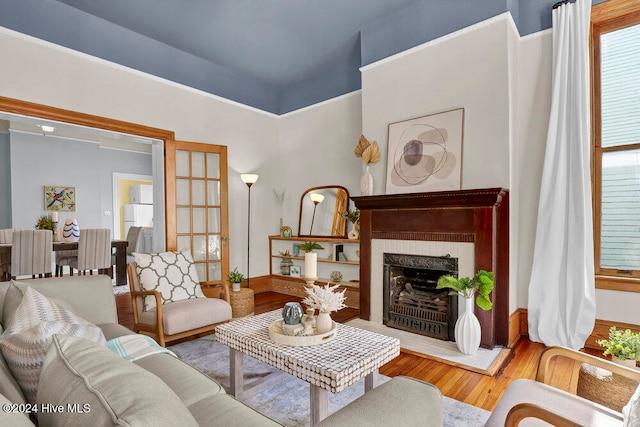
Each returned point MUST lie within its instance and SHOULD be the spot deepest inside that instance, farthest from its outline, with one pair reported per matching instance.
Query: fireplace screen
(411, 300)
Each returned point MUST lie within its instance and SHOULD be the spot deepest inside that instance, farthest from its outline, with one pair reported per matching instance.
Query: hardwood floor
(469, 387)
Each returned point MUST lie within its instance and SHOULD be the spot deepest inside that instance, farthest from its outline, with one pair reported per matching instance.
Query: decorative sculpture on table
(71, 231)
(325, 300)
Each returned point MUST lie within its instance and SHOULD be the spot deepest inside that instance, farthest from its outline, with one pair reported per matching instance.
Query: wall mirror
(321, 211)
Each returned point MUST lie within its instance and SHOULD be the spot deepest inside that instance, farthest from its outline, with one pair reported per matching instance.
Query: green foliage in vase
(235, 276)
(622, 344)
(310, 246)
(44, 223)
(352, 215)
(481, 284)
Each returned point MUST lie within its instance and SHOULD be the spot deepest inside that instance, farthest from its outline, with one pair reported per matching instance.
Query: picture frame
(59, 199)
(295, 271)
(296, 249)
(425, 154)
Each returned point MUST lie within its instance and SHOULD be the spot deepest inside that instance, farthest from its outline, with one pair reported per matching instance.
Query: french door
(196, 204)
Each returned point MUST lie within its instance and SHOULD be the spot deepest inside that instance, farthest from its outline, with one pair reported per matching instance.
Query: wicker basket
(242, 303)
(604, 387)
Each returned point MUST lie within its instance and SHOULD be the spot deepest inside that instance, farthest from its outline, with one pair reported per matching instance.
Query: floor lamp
(249, 179)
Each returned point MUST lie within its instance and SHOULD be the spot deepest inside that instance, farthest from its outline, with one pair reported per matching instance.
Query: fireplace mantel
(477, 216)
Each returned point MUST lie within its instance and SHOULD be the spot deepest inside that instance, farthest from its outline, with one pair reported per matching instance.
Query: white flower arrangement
(324, 298)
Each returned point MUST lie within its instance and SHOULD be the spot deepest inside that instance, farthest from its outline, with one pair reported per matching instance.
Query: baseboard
(519, 327)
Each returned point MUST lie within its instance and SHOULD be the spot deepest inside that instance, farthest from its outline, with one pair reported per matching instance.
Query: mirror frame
(309, 190)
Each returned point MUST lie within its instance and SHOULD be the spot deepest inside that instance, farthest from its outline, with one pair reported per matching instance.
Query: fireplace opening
(411, 300)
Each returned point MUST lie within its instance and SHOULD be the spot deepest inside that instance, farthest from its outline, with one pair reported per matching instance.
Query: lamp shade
(249, 178)
(317, 198)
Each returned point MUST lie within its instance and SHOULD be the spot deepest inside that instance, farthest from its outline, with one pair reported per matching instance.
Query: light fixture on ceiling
(47, 128)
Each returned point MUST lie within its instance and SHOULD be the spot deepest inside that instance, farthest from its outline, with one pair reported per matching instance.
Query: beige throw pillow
(173, 274)
(25, 342)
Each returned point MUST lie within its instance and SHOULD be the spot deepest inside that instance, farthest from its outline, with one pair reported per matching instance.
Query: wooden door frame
(40, 111)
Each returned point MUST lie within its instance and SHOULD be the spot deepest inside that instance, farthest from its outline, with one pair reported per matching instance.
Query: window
(616, 143)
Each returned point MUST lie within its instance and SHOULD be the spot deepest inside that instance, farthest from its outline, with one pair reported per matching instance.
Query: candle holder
(56, 231)
(310, 281)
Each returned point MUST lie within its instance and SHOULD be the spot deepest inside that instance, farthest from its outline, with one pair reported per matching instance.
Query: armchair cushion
(26, 340)
(173, 274)
(189, 314)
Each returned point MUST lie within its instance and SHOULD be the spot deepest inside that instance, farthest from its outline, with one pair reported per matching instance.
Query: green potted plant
(467, 330)
(623, 346)
(44, 223)
(310, 260)
(235, 278)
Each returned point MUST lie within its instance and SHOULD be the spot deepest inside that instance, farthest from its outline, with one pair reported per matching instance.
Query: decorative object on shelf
(286, 263)
(295, 271)
(354, 218)
(310, 260)
(249, 179)
(70, 231)
(425, 153)
(235, 278)
(285, 231)
(370, 153)
(336, 276)
(335, 199)
(296, 249)
(44, 222)
(325, 300)
(623, 346)
(467, 329)
(59, 198)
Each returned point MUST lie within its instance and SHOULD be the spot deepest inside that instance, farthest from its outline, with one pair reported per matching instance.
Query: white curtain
(562, 289)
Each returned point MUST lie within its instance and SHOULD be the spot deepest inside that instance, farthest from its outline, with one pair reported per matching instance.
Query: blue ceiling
(274, 55)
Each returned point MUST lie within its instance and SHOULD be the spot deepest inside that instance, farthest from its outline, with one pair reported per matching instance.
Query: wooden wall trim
(434, 237)
(16, 106)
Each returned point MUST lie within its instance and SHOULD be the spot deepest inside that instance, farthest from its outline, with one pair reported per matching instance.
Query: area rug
(484, 361)
(285, 398)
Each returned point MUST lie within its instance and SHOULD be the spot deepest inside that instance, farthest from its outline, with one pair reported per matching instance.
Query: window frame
(606, 17)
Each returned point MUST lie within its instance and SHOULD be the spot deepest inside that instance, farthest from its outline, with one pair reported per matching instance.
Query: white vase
(323, 322)
(467, 331)
(235, 287)
(624, 362)
(366, 183)
(354, 234)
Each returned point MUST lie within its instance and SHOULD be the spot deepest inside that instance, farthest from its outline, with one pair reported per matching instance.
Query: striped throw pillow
(30, 331)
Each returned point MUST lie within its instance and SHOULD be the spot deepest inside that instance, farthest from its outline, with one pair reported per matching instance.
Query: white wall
(39, 72)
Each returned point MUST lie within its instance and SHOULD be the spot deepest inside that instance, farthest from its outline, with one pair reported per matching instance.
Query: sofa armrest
(400, 401)
(529, 410)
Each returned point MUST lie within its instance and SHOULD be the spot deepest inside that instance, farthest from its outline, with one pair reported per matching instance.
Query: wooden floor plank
(457, 383)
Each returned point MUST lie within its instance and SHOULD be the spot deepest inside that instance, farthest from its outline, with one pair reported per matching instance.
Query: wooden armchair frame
(137, 296)
(526, 410)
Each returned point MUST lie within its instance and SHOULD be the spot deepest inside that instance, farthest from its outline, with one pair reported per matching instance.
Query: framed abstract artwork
(425, 154)
(59, 199)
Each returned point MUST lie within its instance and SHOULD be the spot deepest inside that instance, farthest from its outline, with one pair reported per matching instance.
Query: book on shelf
(338, 248)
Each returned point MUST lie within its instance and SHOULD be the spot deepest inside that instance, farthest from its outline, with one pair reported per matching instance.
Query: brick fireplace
(475, 222)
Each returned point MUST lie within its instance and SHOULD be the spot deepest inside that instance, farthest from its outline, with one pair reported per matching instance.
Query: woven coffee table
(332, 366)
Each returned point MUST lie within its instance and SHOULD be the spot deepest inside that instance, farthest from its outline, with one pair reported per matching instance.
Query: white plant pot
(235, 287)
(323, 322)
(624, 362)
(467, 331)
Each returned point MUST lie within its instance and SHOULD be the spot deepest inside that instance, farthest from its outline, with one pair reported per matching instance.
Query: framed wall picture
(296, 249)
(59, 199)
(295, 271)
(425, 154)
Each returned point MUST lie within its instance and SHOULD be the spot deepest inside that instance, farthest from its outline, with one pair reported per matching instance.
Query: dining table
(120, 247)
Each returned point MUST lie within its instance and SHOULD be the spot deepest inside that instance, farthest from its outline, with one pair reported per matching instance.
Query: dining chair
(31, 253)
(94, 251)
(6, 235)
